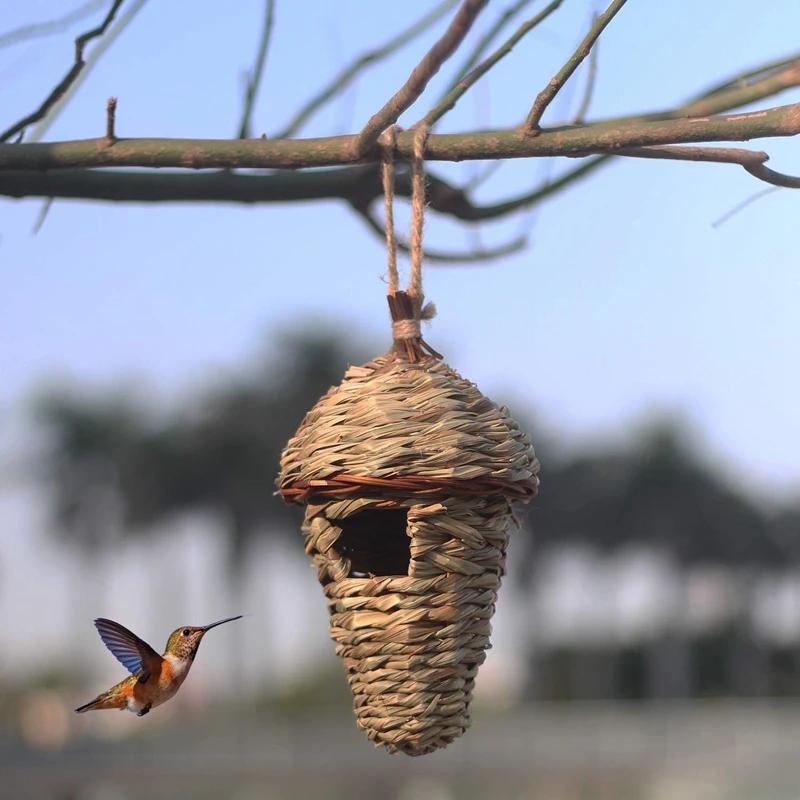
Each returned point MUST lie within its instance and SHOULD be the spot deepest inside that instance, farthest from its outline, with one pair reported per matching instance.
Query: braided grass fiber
(407, 472)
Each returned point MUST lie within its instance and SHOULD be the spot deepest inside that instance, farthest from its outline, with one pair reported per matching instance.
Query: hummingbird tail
(101, 702)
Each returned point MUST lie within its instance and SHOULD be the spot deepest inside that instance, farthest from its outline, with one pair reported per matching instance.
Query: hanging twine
(407, 308)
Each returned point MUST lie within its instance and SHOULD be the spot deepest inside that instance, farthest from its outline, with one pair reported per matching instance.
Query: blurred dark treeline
(119, 462)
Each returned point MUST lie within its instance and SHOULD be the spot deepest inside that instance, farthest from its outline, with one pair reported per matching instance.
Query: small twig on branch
(418, 80)
(111, 116)
(588, 92)
(69, 78)
(254, 78)
(547, 95)
(455, 94)
(741, 206)
(350, 73)
(40, 29)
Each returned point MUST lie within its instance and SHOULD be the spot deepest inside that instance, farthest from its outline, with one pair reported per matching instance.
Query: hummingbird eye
(186, 632)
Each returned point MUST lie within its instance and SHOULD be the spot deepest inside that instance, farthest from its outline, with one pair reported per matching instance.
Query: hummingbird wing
(132, 652)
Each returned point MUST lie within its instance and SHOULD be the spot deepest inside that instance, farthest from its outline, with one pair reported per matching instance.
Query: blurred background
(156, 358)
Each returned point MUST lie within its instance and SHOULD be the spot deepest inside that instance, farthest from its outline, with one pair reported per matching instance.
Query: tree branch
(480, 48)
(40, 29)
(460, 88)
(342, 150)
(547, 95)
(407, 95)
(254, 78)
(351, 72)
(69, 78)
(588, 92)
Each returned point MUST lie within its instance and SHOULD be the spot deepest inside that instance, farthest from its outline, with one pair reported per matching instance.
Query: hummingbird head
(183, 642)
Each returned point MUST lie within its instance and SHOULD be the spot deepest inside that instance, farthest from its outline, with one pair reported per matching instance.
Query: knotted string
(408, 308)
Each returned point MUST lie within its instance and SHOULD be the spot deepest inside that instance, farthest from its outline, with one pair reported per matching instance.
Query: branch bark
(342, 150)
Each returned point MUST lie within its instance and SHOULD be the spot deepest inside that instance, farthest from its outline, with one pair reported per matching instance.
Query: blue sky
(628, 300)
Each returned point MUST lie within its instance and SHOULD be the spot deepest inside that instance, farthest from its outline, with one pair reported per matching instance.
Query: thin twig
(69, 78)
(37, 30)
(254, 78)
(480, 48)
(101, 46)
(452, 97)
(741, 206)
(422, 73)
(746, 78)
(547, 94)
(42, 215)
(445, 257)
(588, 92)
(350, 73)
(111, 116)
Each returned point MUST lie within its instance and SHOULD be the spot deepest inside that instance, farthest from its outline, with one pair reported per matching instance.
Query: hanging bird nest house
(407, 473)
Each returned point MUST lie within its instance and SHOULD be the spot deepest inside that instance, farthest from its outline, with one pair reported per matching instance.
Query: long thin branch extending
(418, 80)
(547, 95)
(588, 92)
(483, 44)
(254, 78)
(40, 29)
(477, 256)
(454, 95)
(69, 78)
(351, 72)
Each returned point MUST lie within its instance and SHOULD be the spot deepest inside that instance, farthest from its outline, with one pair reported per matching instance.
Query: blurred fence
(586, 751)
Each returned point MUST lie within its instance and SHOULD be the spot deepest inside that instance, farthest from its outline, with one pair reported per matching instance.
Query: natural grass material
(417, 438)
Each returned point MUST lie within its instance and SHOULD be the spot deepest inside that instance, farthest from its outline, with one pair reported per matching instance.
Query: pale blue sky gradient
(627, 298)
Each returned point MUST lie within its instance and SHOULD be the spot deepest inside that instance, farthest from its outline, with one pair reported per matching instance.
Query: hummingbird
(154, 679)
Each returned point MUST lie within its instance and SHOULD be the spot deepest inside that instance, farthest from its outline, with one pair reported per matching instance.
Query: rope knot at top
(407, 308)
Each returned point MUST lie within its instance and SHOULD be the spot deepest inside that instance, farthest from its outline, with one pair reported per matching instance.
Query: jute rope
(408, 308)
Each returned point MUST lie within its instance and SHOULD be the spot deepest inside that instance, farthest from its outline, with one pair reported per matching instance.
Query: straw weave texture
(407, 473)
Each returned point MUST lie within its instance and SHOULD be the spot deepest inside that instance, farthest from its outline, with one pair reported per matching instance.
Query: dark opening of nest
(376, 542)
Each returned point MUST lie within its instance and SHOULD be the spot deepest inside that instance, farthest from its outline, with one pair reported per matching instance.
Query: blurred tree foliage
(111, 454)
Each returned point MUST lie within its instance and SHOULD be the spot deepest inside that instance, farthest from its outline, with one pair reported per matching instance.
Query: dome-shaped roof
(407, 428)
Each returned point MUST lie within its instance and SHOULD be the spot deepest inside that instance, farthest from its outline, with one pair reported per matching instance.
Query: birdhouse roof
(399, 427)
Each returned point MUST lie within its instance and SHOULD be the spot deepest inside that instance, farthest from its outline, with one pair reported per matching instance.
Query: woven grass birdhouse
(407, 473)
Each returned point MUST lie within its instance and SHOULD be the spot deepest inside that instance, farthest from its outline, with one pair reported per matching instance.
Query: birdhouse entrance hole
(376, 541)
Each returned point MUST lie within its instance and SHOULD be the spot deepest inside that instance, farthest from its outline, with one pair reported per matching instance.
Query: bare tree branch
(118, 27)
(453, 96)
(254, 78)
(37, 30)
(483, 45)
(418, 80)
(351, 72)
(476, 256)
(341, 150)
(741, 206)
(588, 92)
(69, 78)
(546, 96)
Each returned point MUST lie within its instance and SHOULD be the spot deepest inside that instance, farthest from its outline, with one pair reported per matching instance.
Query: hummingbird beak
(207, 628)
